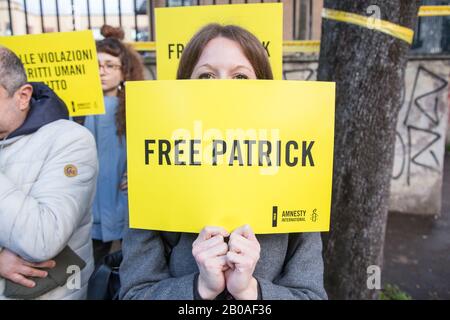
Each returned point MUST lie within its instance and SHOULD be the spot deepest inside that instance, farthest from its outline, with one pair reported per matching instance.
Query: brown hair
(251, 46)
(132, 66)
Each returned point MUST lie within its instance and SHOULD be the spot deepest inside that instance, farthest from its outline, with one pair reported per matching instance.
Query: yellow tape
(143, 45)
(304, 46)
(384, 26)
(308, 46)
(434, 11)
(288, 46)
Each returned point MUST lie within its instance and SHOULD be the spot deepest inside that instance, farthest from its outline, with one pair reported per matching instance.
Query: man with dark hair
(48, 170)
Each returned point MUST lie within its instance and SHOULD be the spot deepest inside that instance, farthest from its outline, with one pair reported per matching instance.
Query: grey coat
(160, 265)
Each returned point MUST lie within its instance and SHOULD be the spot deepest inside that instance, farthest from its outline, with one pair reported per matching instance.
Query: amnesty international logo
(300, 215)
(274, 216)
(314, 216)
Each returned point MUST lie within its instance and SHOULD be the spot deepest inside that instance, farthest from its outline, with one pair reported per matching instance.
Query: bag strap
(99, 283)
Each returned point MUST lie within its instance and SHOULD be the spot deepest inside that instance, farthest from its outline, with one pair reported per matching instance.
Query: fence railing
(302, 20)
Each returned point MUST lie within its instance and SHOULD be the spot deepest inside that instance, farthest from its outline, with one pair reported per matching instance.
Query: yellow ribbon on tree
(434, 11)
(384, 26)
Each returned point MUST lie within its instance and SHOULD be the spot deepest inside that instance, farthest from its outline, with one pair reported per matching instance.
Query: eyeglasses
(109, 67)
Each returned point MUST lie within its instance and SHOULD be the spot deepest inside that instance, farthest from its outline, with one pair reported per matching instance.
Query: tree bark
(368, 68)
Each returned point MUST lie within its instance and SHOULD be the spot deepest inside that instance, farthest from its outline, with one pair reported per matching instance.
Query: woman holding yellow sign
(217, 263)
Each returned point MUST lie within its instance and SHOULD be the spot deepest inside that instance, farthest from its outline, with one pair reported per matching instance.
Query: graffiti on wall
(421, 124)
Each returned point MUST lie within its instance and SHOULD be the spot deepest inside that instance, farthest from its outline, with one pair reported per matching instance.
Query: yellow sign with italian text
(67, 63)
(176, 26)
(228, 153)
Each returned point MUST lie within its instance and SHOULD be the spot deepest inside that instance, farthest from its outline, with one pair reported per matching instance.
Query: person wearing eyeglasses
(117, 63)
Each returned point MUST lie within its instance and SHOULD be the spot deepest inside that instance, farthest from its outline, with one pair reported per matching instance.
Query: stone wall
(421, 134)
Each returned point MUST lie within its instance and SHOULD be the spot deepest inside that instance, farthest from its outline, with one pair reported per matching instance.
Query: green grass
(392, 292)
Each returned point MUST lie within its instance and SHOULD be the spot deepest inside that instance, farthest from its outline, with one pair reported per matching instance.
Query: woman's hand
(14, 268)
(242, 257)
(209, 251)
(124, 183)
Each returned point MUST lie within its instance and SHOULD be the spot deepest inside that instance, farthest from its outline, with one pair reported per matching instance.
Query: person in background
(48, 170)
(118, 63)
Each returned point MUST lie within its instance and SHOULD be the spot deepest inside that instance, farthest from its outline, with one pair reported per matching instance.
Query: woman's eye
(240, 76)
(206, 75)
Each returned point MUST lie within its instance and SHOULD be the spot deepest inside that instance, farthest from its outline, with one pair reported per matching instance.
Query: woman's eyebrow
(107, 60)
(242, 66)
(206, 65)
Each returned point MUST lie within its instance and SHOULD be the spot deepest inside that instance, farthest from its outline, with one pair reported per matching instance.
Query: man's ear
(24, 94)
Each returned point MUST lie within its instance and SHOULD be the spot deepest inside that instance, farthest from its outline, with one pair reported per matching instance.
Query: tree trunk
(368, 68)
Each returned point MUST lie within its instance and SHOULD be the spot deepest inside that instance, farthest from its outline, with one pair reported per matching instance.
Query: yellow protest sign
(67, 63)
(176, 26)
(229, 152)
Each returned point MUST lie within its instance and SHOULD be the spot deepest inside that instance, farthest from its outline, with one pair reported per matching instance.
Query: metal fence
(301, 17)
(57, 4)
(432, 34)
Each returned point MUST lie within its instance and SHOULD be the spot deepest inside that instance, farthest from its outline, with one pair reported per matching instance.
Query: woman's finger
(237, 260)
(229, 263)
(205, 258)
(222, 261)
(246, 231)
(214, 262)
(239, 244)
(218, 250)
(205, 245)
(225, 267)
(210, 231)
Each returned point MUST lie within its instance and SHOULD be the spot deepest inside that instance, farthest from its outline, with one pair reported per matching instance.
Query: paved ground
(417, 250)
